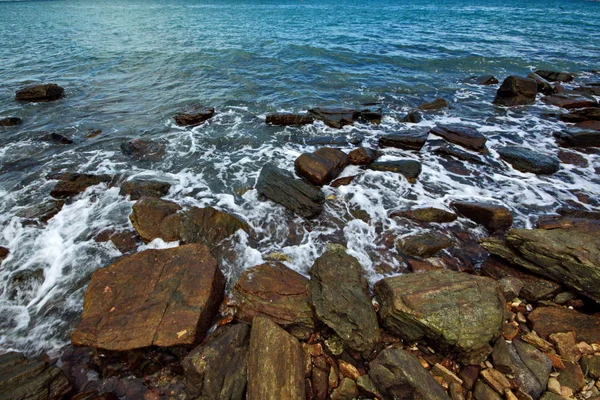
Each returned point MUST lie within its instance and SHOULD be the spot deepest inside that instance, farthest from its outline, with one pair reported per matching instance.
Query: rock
(548, 320)
(334, 117)
(411, 169)
(566, 345)
(413, 117)
(591, 366)
(294, 194)
(138, 188)
(572, 376)
(484, 80)
(424, 244)
(3, 253)
(28, 379)
(275, 363)
(406, 141)
(493, 217)
(370, 113)
(347, 390)
(588, 90)
(532, 367)
(10, 121)
(484, 392)
(217, 368)
(154, 218)
(126, 303)
(569, 157)
(367, 386)
(362, 156)
(469, 374)
(551, 396)
(143, 149)
(43, 212)
(321, 166)
(194, 115)
(426, 215)
(554, 76)
(583, 114)
(516, 91)
(510, 287)
(288, 119)
(56, 138)
(570, 101)
(22, 285)
(125, 241)
(332, 140)
(40, 93)
(208, 226)
(526, 160)
(575, 213)
(275, 291)
(450, 309)
(343, 181)
(588, 125)
(578, 138)
(462, 135)
(543, 86)
(93, 133)
(495, 379)
(436, 104)
(501, 355)
(399, 375)
(70, 184)
(453, 151)
(340, 297)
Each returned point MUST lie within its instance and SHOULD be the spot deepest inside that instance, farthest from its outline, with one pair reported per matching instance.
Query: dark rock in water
(483, 80)
(275, 291)
(516, 91)
(549, 320)
(56, 138)
(362, 156)
(578, 138)
(399, 375)
(570, 101)
(93, 133)
(450, 309)
(10, 121)
(208, 226)
(370, 113)
(411, 169)
(453, 151)
(40, 93)
(335, 117)
(343, 181)
(526, 160)
(340, 296)
(155, 218)
(43, 212)
(462, 135)
(407, 141)
(217, 368)
(583, 114)
(23, 284)
(124, 241)
(286, 119)
(436, 104)
(588, 90)
(72, 183)
(575, 213)
(425, 215)
(593, 125)
(333, 140)
(24, 379)
(143, 149)
(153, 298)
(138, 188)
(554, 76)
(194, 116)
(543, 86)
(413, 117)
(493, 217)
(275, 363)
(3, 253)
(573, 158)
(321, 166)
(424, 244)
(294, 194)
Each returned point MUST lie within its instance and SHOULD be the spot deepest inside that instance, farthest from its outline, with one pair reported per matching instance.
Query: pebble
(554, 386)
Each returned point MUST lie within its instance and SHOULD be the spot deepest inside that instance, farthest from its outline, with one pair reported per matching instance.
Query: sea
(129, 66)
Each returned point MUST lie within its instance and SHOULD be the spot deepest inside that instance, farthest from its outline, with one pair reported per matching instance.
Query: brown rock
(569, 157)
(322, 166)
(208, 226)
(138, 188)
(549, 320)
(533, 339)
(157, 297)
(143, 149)
(362, 156)
(572, 376)
(592, 125)
(40, 93)
(496, 380)
(347, 390)
(343, 181)
(407, 140)
(3, 253)
(287, 119)
(124, 241)
(348, 370)
(481, 391)
(566, 345)
(493, 217)
(194, 115)
(580, 115)
(516, 91)
(155, 218)
(320, 382)
(426, 215)
(335, 117)
(436, 104)
(555, 76)
(570, 101)
(469, 374)
(462, 135)
(10, 121)
(425, 244)
(70, 184)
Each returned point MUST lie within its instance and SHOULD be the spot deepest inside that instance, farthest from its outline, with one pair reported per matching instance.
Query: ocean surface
(129, 66)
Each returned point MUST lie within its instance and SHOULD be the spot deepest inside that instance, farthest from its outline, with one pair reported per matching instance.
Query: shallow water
(129, 66)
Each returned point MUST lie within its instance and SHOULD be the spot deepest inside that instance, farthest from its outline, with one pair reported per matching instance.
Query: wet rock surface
(578, 138)
(10, 121)
(516, 91)
(426, 215)
(208, 226)
(138, 188)
(424, 244)
(56, 138)
(406, 141)
(555, 76)
(194, 115)
(411, 169)
(362, 156)
(334, 117)
(44, 212)
(462, 135)
(526, 160)
(156, 218)
(143, 149)
(287, 119)
(543, 86)
(70, 184)
(580, 115)
(322, 166)
(570, 101)
(436, 104)
(40, 93)
(493, 217)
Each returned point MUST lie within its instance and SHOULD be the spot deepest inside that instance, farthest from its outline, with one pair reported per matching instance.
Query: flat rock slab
(450, 309)
(461, 135)
(578, 138)
(516, 91)
(426, 215)
(555, 76)
(335, 117)
(406, 141)
(411, 169)
(275, 363)
(436, 104)
(584, 114)
(526, 160)
(194, 115)
(570, 101)
(549, 320)
(153, 298)
(71, 184)
(40, 93)
(138, 188)
(493, 217)
(322, 166)
(455, 152)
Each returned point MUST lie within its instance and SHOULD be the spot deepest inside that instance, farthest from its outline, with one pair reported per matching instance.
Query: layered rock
(584, 114)
(406, 141)
(411, 169)
(153, 298)
(194, 115)
(70, 184)
(335, 117)
(493, 217)
(578, 138)
(40, 93)
(446, 150)
(286, 119)
(516, 91)
(321, 166)
(462, 135)
(138, 188)
(143, 149)
(526, 160)
(570, 101)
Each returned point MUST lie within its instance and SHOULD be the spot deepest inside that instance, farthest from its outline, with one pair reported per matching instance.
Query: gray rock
(481, 391)
(543, 86)
(335, 117)
(413, 117)
(526, 160)
(42, 212)
(453, 151)
(538, 366)
(516, 91)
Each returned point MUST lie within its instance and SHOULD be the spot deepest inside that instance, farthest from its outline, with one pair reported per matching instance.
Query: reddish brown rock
(362, 156)
(462, 135)
(208, 226)
(322, 166)
(194, 116)
(3, 253)
(407, 141)
(335, 117)
(343, 181)
(286, 119)
(436, 104)
(124, 241)
(154, 298)
(138, 188)
(155, 218)
(569, 157)
(548, 320)
(570, 101)
(493, 217)
(592, 125)
(583, 114)
(516, 91)
(40, 93)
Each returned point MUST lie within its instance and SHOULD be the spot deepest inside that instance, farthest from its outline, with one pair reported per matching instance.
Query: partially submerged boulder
(543, 86)
(555, 76)
(484, 80)
(40, 93)
(321, 166)
(138, 188)
(42, 212)
(406, 141)
(583, 114)
(462, 135)
(287, 119)
(411, 169)
(194, 115)
(448, 150)
(578, 138)
(526, 160)
(10, 121)
(436, 104)
(71, 183)
(493, 217)
(155, 218)
(208, 226)
(153, 298)
(424, 244)
(516, 91)
(56, 138)
(143, 149)
(335, 117)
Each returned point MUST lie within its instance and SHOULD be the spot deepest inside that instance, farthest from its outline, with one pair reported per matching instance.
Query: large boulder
(578, 138)
(321, 166)
(406, 141)
(208, 226)
(411, 169)
(70, 184)
(217, 368)
(275, 363)
(28, 379)
(462, 135)
(516, 91)
(555, 76)
(286, 119)
(143, 149)
(526, 160)
(194, 115)
(399, 375)
(493, 217)
(161, 298)
(424, 244)
(40, 93)
(570, 101)
(294, 194)
(340, 296)
(275, 291)
(449, 309)
(138, 188)
(548, 320)
(155, 218)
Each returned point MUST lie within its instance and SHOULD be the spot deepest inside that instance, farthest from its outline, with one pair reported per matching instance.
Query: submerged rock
(56, 138)
(583, 114)
(543, 86)
(42, 212)
(194, 115)
(462, 135)
(156, 297)
(484, 80)
(71, 183)
(425, 244)
(40, 93)
(493, 217)
(125, 241)
(411, 169)
(516, 91)
(286, 119)
(155, 218)
(10, 121)
(413, 117)
(453, 151)
(570, 101)
(362, 156)
(321, 166)
(554, 76)
(425, 215)
(138, 188)
(406, 141)
(3, 253)
(526, 160)
(436, 104)
(143, 149)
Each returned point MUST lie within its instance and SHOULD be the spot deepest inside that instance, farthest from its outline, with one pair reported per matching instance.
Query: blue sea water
(129, 66)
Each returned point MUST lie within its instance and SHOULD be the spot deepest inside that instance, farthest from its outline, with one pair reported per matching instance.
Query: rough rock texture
(516, 91)
(481, 391)
(362, 156)
(42, 212)
(424, 244)
(138, 188)
(286, 119)
(495, 218)
(294, 194)
(399, 375)
(155, 218)
(156, 297)
(532, 367)
(425, 215)
(143, 149)
(321, 166)
(71, 184)
(39, 93)
(543, 86)
(335, 117)
(462, 135)
(208, 226)
(549, 320)
(573, 158)
(436, 104)
(340, 296)
(583, 114)
(275, 291)
(570, 101)
(275, 363)
(578, 138)
(447, 150)
(406, 141)
(554, 76)
(24, 379)
(450, 309)
(411, 169)
(526, 160)
(10, 121)
(194, 115)
(217, 368)
(413, 117)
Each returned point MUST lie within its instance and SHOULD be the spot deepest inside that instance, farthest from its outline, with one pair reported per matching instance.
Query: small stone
(554, 385)
(496, 380)
(585, 348)
(456, 392)
(510, 287)
(484, 392)
(533, 338)
(348, 370)
(572, 376)
(566, 345)
(510, 395)
(347, 390)
(449, 376)
(10, 121)
(469, 374)
(194, 115)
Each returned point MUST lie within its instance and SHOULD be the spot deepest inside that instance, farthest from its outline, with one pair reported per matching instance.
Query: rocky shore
(515, 315)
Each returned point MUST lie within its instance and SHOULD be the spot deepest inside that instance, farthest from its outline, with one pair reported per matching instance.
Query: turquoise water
(129, 66)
